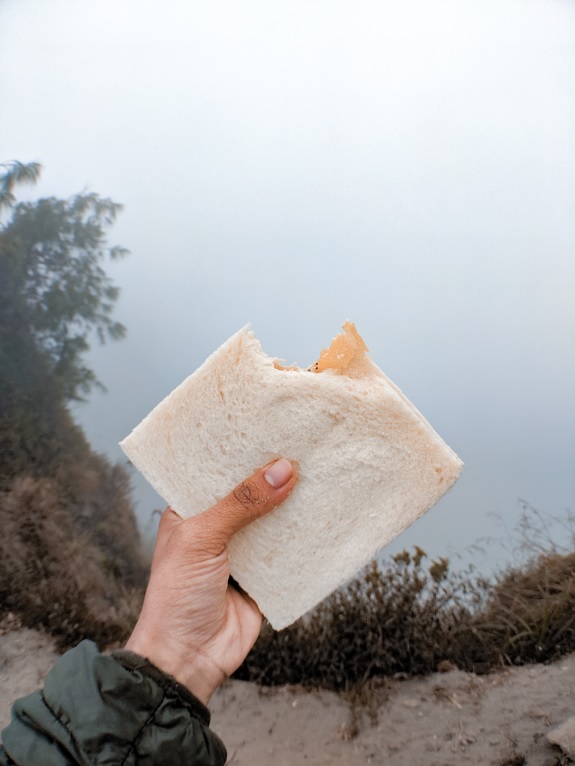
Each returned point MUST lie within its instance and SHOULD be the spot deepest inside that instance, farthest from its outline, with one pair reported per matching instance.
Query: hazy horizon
(293, 165)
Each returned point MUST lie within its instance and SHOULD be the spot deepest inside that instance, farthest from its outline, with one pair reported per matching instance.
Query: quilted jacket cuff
(103, 709)
(133, 661)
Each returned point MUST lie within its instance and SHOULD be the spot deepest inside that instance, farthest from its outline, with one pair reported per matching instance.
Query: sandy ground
(446, 719)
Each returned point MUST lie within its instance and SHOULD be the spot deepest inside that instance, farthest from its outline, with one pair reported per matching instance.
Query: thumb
(262, 492)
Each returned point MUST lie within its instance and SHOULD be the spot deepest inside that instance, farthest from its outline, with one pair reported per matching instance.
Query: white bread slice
(369, 466)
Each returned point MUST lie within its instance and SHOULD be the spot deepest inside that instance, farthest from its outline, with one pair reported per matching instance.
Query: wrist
(191, 668)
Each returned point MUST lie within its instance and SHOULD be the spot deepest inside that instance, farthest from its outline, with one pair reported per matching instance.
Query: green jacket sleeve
(102, 710)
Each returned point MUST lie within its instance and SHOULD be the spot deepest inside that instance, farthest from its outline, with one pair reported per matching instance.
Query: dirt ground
(445, 719)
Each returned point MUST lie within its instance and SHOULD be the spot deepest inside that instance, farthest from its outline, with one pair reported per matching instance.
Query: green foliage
(54, 296)
(15, 173)
(54, 293)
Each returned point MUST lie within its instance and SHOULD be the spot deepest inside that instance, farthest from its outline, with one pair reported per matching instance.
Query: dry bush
(39, 439)
(97, 498)
(54, 577)
(406, 618)
(403, 618)
(529, 615)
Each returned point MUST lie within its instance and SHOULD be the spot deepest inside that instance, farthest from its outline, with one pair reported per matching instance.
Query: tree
(54, 297)
(54, 293)
(15, 173)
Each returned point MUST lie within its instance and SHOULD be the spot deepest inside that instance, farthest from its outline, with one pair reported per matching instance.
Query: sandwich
(369, 464)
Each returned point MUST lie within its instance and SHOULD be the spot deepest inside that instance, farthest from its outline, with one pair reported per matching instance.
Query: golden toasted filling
(344, 348)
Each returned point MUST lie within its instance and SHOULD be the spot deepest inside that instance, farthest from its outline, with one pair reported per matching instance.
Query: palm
(243, 621)
(235, 623)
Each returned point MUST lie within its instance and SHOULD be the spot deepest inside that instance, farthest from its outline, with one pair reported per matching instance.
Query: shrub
(56, 578)
(529, 615)
(406, 618)
(97, 498)
(402, 618)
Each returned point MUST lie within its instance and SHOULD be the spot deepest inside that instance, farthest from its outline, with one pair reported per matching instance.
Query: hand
(193, 624)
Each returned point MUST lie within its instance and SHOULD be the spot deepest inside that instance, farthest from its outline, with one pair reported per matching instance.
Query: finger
(251, 616)
(253, 498)
(234, 586)
(168, 522)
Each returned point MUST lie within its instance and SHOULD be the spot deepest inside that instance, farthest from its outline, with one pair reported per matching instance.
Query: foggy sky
(409, 166)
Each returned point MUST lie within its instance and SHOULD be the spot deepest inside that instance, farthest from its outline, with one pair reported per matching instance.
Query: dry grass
(405, 617)
(408, 616)
(528, 616)
(54, 576)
